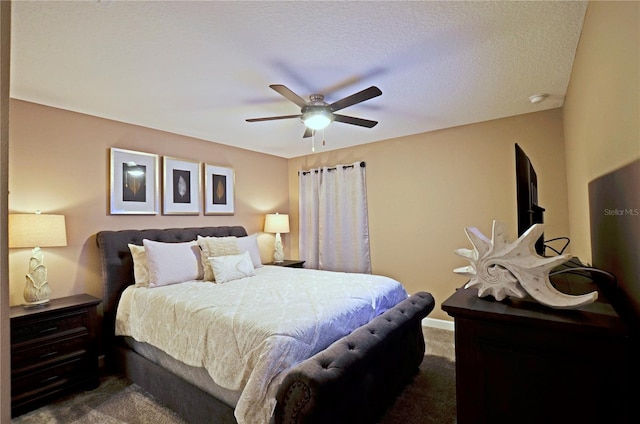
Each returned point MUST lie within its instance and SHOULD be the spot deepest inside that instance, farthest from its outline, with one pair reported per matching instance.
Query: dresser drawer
(30, 355)
(33, 328)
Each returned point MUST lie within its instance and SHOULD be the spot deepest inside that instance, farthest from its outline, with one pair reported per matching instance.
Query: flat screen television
(529, 211)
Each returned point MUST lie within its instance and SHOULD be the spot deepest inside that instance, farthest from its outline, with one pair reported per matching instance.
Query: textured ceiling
(201, 68)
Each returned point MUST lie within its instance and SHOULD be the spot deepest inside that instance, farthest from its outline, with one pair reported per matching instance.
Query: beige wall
(424, 189)
(59, 163)
(602, 109)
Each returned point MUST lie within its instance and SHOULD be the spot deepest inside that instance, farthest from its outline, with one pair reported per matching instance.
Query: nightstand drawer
(33, 354)
(35, 328)
(47, 378)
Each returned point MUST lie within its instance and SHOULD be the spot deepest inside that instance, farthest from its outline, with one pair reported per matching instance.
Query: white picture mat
(211, 208)
(170, 207)
(150, 161)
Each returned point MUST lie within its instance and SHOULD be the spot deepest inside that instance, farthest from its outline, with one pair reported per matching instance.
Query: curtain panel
(334, 226)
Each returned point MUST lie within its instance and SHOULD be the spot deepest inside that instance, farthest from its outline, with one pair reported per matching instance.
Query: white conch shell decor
(501, 268)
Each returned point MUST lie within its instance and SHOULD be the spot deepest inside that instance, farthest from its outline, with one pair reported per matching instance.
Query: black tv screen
(529, 211)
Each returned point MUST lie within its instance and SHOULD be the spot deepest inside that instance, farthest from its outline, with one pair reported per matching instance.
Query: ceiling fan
(316, 114)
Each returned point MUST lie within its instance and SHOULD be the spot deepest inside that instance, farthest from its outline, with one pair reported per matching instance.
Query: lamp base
(278, 254)
(37, 304)
(37, 290)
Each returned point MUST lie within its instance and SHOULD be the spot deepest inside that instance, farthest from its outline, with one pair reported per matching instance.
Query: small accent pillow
(250, 244)
(216, 246)
(140, 270)
(231, 267)
(171, 263)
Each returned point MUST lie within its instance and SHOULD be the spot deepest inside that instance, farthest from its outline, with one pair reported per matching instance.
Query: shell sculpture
(500, 268)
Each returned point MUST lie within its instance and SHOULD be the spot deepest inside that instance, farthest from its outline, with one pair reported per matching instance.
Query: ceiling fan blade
(354, 121)
(355, 79)
(361, 96)
(308, 132)
(273, 118)
(284, 91)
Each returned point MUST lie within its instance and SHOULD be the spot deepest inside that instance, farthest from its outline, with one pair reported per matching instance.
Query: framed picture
(181, 187)
(134, 182)
(218, 188)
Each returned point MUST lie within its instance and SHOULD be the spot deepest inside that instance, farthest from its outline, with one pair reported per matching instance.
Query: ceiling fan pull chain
(323, 142)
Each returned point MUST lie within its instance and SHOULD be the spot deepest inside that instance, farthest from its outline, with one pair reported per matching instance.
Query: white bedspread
(246, 332)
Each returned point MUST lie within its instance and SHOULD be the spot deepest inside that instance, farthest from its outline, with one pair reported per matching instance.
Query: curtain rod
(362, 165)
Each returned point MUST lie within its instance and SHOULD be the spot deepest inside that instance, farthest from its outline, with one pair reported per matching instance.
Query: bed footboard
(357, 377)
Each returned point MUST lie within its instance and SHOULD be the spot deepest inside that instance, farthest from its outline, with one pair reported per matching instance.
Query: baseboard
(438, 323)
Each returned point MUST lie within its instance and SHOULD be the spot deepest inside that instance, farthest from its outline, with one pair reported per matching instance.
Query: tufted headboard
(117, 263)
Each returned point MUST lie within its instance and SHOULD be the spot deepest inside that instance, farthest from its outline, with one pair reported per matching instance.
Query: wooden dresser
(521, 362)
(53, 350)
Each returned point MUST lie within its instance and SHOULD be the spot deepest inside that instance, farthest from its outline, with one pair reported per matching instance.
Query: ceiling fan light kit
(316, 114)
(316, 117)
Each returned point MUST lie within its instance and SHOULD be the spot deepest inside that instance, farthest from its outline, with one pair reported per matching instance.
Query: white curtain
(334, 226)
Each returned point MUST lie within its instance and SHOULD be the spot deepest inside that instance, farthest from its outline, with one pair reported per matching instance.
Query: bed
(352, 380)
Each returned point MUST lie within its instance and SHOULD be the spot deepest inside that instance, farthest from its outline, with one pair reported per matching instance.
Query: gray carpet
(430, 398)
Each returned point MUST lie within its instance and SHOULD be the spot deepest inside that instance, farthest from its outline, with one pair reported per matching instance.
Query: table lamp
(277, 223)
(37, 230)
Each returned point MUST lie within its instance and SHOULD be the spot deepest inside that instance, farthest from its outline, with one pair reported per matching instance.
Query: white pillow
(231, 267)
(250, 244)
(216, 246)
(140, 270)
(171, 263)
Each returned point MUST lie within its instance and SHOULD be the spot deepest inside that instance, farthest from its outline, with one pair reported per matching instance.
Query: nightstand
(53, 350)
(289, 263)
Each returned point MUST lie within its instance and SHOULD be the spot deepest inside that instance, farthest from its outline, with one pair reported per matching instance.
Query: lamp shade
(37, 230)
(276, 223)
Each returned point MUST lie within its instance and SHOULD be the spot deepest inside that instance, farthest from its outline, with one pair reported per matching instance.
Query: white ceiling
(201, 68)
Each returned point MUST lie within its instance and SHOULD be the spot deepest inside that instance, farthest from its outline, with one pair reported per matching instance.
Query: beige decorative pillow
(250, 244)
(171, 263)
(140, 269)
(231, 267)
(216, 246)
